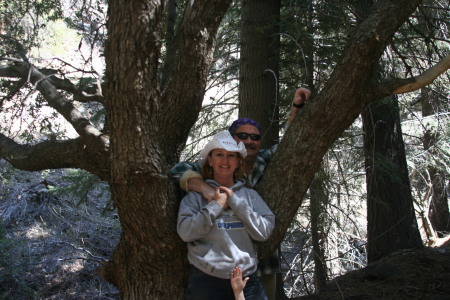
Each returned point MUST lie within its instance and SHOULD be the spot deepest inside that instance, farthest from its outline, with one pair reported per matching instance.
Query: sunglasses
(244, 136)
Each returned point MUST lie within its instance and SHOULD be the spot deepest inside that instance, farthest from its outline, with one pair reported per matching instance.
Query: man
(249, 132)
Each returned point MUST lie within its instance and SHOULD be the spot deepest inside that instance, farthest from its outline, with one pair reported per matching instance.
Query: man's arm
(200, 186)
(265, 155)
(189, 178)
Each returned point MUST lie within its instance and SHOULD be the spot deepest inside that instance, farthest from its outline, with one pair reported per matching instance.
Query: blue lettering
(230, 225)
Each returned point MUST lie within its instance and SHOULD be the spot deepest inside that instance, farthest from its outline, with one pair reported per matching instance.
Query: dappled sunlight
(73, 266)
(36, 231)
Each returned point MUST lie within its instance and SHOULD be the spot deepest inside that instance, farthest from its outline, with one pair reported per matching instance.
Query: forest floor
(51, 246)
(409, 274)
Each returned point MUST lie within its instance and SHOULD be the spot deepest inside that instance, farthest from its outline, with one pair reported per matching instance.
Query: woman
(221, 232)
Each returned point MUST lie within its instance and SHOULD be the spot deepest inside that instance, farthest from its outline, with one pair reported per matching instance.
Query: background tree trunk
(318, 199)
(308, 46)
(318, 189)
(259, 66)
(439, 211)
(392, 224)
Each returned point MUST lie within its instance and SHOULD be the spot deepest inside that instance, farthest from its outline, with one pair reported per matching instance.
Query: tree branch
(195, 43)
(53, 154)
(82, 125)
(81, 95)
(401, 86)
(89, 152)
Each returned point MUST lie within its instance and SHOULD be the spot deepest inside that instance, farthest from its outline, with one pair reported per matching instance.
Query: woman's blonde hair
(208, 172)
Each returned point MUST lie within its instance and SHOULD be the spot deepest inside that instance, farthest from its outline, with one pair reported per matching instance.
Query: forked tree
(148, 125)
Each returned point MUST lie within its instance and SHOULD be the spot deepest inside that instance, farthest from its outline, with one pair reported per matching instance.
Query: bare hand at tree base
(238, 283)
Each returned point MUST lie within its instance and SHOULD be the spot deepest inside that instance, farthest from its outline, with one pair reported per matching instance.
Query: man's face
(251, 145)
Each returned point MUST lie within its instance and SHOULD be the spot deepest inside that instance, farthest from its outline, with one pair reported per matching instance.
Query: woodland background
(59, 223)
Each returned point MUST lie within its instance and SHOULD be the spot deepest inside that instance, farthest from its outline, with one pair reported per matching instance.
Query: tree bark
(319, 199)
(391, 220)
(438, 213)
(169, 58)
(259, 66)
(148, 127)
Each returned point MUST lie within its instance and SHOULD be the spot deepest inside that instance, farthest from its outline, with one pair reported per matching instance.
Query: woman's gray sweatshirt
(219, 240)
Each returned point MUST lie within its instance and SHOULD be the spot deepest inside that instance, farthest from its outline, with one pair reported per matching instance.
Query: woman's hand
(221, 196)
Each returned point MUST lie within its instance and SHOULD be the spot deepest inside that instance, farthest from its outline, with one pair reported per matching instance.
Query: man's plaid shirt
(272, 264)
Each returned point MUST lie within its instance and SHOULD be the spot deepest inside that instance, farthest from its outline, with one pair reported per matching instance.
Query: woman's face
(223, 162)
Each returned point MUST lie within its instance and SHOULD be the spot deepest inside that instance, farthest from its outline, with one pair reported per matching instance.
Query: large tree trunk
(259, 65)
(391, 219)
(148, 127)
(149, 254)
